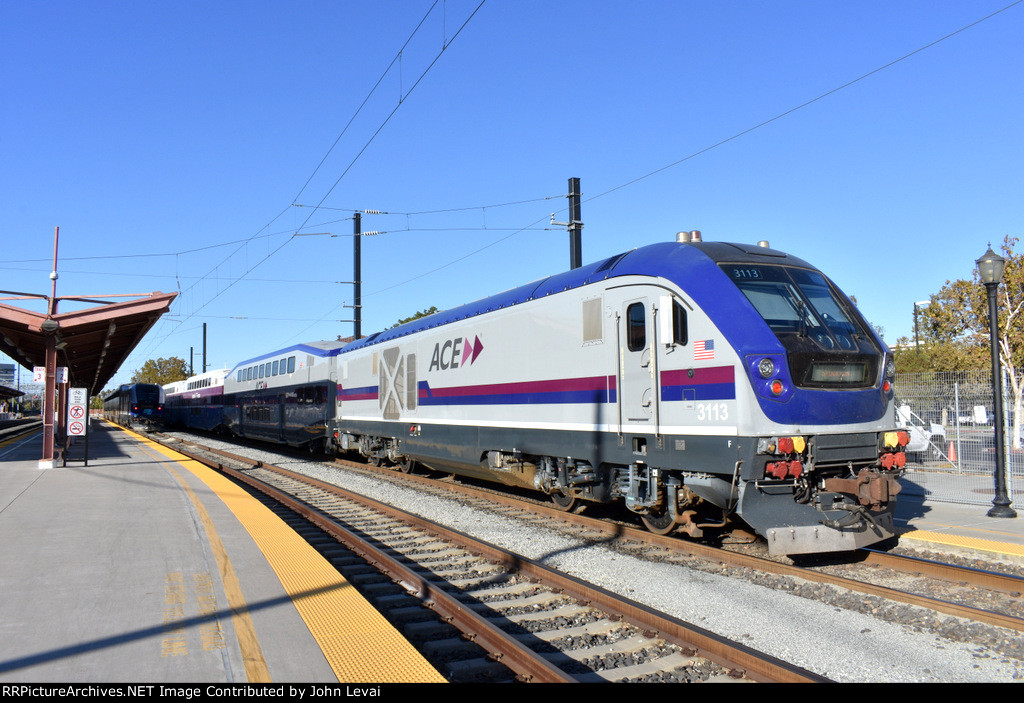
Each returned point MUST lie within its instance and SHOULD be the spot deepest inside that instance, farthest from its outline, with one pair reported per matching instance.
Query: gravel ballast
(819, 635)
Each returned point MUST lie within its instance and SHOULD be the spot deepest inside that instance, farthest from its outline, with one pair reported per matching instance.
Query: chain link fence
(951, 455)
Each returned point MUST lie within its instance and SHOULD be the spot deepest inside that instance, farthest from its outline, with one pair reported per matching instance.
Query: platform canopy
(92, 343)
(8, 393)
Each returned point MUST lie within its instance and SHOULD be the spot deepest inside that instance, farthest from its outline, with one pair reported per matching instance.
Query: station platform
(932, 520)
(141, 565)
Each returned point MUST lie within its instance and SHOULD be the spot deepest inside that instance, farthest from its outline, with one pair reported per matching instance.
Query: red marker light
(777, 387)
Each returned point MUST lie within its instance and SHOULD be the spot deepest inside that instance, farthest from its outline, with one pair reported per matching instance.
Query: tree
(161, 371)
(958, 315)
(421, 313)
(931, 356)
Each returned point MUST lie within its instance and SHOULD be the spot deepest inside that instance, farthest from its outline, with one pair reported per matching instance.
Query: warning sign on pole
(78, 412)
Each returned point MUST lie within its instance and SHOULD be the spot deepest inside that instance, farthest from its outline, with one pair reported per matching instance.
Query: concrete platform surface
(135, 568)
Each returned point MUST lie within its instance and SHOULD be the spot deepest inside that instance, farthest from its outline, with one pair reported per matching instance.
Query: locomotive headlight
(766, 368)
(890, 368)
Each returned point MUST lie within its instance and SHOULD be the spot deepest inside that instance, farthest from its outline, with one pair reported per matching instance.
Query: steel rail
(729, 654)
(948, 572)
(756, 665)
(1005, 583)
(510, 652)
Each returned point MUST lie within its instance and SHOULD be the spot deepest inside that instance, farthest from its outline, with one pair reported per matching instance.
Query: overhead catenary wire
(653, 172)
(359, 109)
(722, 142)
(804, 104)
(401, 101)
(386, 120)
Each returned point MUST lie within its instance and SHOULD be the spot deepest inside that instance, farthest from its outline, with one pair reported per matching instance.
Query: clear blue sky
(172, 141)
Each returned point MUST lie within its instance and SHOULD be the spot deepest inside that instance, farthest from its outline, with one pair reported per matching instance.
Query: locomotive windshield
(827, 341)
(147, 394)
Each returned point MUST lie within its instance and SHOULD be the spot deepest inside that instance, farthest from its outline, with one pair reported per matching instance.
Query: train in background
(196, 402)
(700, 384)
(286, 397)
(134, 404)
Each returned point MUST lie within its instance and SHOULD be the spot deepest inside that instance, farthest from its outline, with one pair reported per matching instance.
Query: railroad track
(496, 615)
(16, 429)
(902, 590)
(992, 598)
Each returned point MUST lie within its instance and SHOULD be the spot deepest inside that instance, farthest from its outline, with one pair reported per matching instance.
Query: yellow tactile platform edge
(981, 545)
(358, 642)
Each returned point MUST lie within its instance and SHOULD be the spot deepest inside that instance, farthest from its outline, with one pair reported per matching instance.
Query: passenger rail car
(695, 382)
(135, 403)
(197, 402)
(287, 396)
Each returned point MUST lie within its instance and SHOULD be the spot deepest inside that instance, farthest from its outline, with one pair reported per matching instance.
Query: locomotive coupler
(870, 488)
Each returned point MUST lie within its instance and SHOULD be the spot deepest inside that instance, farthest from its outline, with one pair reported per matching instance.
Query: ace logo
(447, 354)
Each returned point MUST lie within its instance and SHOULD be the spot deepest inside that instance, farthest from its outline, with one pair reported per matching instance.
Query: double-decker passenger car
(286, 396)
(196, 402)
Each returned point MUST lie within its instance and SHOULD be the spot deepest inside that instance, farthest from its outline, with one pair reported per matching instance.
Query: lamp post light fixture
(990, 268)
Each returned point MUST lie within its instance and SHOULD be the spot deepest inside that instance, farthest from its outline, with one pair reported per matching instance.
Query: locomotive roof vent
(688, 237)
(764, 244)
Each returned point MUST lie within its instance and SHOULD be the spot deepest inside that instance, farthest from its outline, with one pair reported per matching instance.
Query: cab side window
(679, 333)
(636, 327)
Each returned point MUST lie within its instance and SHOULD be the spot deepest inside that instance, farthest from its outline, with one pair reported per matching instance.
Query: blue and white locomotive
(695, 382)
(135, 403)
(692, 381)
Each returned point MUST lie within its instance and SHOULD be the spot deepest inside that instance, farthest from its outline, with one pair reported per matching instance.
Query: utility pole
(575, 225)
(357, 236)
(204, 347)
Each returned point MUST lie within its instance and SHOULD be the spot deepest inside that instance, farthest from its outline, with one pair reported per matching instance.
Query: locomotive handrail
(656, 381)
(618, 371)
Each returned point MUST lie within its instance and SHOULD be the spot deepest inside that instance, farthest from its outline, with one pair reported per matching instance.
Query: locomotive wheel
(659, 523)
(407, 466)
(374, 460)
(563, 501)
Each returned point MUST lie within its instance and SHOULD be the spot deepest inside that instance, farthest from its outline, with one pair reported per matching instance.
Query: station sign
(78, 412)
(39, 374)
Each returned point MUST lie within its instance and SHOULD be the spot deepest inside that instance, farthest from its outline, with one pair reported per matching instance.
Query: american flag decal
(704, 349)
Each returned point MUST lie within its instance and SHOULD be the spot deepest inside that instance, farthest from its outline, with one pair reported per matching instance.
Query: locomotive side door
(636, 362)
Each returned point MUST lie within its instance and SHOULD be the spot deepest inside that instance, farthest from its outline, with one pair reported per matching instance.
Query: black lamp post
(990, 267)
